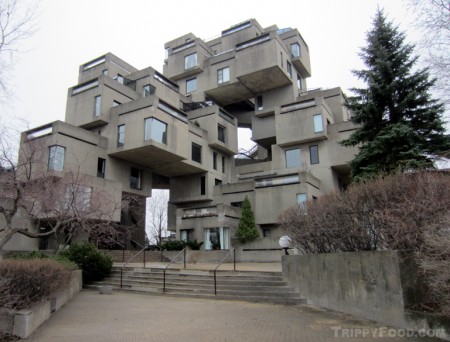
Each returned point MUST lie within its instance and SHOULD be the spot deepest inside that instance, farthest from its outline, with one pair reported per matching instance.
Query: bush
(94, 264)
(173, 245)
(70, 265)
(26, 282)
(194, 245)
(246, 230)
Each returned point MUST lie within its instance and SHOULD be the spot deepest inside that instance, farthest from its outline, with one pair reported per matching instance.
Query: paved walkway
(129, 317)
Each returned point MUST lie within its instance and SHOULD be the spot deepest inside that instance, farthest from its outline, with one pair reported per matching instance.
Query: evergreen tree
(246, 230)
(400, 126)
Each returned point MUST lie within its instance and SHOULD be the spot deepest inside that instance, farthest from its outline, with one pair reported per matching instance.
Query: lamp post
(285, 243)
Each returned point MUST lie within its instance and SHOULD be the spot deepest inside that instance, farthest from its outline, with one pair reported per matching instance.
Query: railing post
(144, 258)
(121, 272)
(215, 284)
(234, 259)
(164, 280)
(123, 254)
(184, 258)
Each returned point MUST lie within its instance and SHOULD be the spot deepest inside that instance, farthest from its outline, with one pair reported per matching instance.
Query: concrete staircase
(231, 285)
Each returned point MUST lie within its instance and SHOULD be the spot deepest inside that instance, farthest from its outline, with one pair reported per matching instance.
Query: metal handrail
(220, 263)
(134, 256)
(170, 263)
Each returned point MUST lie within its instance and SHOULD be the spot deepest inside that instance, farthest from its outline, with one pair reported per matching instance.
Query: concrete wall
(22, 323)
(375, 285)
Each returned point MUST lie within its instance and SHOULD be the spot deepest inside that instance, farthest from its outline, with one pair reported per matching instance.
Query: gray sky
(74, 32)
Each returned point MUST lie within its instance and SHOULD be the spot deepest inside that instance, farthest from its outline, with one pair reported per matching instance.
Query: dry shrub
(405, 211)
(26, 282)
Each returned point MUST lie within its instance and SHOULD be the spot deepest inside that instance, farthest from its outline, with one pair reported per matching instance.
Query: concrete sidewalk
(128, 317)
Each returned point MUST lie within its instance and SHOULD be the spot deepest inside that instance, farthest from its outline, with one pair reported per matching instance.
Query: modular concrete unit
(178, 130)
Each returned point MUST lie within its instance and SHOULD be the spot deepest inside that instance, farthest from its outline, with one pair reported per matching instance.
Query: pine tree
(246, 230)
(400, 126)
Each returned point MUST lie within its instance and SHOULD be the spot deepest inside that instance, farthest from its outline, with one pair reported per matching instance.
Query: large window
(98, 106)
(190, 61)
(314, 154)
(293, 158)
(155, 130)
(295, 50)
(56, 158)
(149, 90)
(101, 166)
(318, 123)
(191, 85)
(216, 238)
(221, 133)
(187, 235)
(196, 153)
(135, 179)
(77, 197)
(120, 135)
(223, 75)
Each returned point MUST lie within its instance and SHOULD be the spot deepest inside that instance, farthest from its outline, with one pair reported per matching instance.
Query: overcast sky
(74, 32)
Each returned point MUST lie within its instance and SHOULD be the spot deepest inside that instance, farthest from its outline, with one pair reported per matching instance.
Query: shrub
(94, 264)
(26, 282)
(405, 211)
(194, 245)
(62, 259)
(173, 245)
(246, 230)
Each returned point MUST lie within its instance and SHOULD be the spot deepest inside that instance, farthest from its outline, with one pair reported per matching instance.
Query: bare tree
(157, 216)
(58, 204)
(17, 22)
(433, 21)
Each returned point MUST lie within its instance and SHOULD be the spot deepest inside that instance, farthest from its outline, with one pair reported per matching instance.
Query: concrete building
(131, 131)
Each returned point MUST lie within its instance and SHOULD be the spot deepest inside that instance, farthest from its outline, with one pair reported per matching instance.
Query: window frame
(221, 75)
(196, 153)
(149, 125)
(97, 106)
(191, 81)
(298, 49)
(316, 159)
(138, 186)
(148, 90)
(120, 135)
(289, 68)
(189, 65)
(101, 167)
(215, 160)
(318, 123)
(221, 133)
(289, 160)
(56, 159)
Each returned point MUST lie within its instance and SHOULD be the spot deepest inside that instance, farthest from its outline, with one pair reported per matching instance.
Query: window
(105, 72)
(217, 182)
(295, 50)
(118, 78)
(236, 204)
(223, 164)
(149, 90)
(120, 135)
(155, 130)
(196, 153)
(191, 85)
(314, 154)
(223, 75)
(187, 235)
(301, 199)
(135, 179)
(318, 123)
(216, 238)
(101, 165)
(289, 69)
(77, 197)
(293, 158)
(97, 106)
(259, 102)
(266, 232)
(202, 185)
(190, 61)
(299, 83)
(214, 160)
(221, 133)
(281, 57)
(116, 103)
(56, 158)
